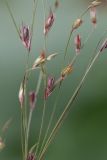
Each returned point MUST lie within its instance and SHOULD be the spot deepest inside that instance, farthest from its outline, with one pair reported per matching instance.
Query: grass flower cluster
(28, 98)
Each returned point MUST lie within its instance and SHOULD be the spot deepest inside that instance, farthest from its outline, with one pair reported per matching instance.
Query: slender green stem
(12, 17)
(67, 45)
(28, 126)
(68, 107)
(41, 127)
(33, 18)
(39, 83)
(22, 136)
(50, 120)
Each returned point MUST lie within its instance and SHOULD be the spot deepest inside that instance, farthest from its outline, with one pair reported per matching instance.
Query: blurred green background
(84, 133)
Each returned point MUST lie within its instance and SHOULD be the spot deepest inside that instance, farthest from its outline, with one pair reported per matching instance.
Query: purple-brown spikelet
(50, 86)
(25, 36)
(49, 22)
(77, 42)
(32, 99)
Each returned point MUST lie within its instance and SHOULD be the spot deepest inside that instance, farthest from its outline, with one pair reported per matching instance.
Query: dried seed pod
(49, 22)
(93, 15)
(77, 24)
(66, 71)
(77, 42)
(25, 36)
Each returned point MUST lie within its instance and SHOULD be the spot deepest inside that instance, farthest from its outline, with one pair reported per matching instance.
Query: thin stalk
(67, 45)
(12, 17)
(33, 18)
(22, 136)
(43, 111)
(39, 83)
(28, 126)
(50, 120)
(67, 108)
(41, 127)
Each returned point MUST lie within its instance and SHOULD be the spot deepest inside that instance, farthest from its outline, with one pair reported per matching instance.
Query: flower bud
(49, 22)
(32, 99)
(25, 37)
(77, 24)
(77, 42)
(93, 15)
(66, 71)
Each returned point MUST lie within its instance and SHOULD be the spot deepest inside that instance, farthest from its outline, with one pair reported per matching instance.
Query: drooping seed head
(77, 42)
(32, 99)
(49, 22)
(93, 15)
(77, 24)
(25, 36)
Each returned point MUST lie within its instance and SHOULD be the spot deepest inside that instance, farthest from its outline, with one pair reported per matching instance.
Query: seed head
(49, 22)
(50, 86)
(66, 71)
(77, 42)
(21, 95)
(32, 99)
(77, 24)
(25, 36)
(93, 15)
(40, 60)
